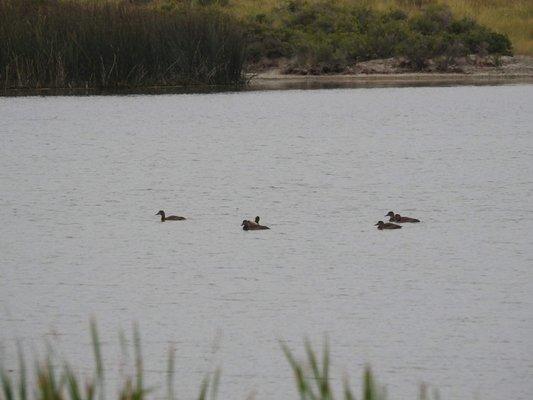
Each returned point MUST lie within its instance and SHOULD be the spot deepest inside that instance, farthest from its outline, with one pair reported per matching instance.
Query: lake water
(448, 301)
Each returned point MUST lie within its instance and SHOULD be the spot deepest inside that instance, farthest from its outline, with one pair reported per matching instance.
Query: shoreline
(273, 80)
(471, 70)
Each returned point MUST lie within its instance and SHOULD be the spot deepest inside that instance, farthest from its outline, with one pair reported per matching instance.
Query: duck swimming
(382, 225)
(170, 217)
(399, 218)
(252, 225)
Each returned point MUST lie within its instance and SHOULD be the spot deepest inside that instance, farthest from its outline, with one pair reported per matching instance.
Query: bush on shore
(330, 35)
(117, 43)
(61, 44)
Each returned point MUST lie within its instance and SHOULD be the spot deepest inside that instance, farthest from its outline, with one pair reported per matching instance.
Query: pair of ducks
(252, 225)
(394, 218)
(246, 224)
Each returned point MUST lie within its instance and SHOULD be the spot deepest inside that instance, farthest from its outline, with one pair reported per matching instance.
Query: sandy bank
(273, 81)
(518, 69)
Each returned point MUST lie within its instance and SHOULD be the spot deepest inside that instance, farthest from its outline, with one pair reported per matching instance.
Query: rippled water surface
(447, 301)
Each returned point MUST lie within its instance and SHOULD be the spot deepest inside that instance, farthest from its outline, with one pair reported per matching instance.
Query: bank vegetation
(113, 44)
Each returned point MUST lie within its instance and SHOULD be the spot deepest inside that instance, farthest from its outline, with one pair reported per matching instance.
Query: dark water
(447, 301)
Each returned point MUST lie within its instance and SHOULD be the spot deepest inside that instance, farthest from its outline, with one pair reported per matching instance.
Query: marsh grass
(312, 377)
(50, 381)
(105, 44)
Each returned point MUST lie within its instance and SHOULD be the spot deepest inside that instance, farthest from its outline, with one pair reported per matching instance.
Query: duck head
(379, 223)
(390, 214)
(256, 220)
(161, 212)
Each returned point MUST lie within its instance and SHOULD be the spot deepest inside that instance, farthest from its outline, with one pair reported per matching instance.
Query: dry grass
(515, 18)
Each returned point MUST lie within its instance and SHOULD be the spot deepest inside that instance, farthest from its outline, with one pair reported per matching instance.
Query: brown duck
(170, 217)
(399, 218)
(382, 225)
(252, 225)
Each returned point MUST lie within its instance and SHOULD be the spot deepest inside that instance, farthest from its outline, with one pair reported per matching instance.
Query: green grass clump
(106, 44)
(51, 381)
(316, 384)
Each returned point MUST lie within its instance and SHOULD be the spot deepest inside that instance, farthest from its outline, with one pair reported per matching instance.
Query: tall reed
(315, 385)
(62, 44)
(52, 380)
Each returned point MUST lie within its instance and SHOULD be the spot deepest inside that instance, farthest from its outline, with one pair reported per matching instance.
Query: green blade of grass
(368, 385)
(348, 395)
(204, 387)
(72, 384)
(7, 385)
(215, 383)
(326, 389)
(138, 360)
(314, 365)
(98, 359)
(170, 374)
(23, 391)
(302, 385)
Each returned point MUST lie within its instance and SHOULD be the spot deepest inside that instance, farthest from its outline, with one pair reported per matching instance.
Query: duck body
(387, 225)
(252, 225)
(399, 218)
(170, 217)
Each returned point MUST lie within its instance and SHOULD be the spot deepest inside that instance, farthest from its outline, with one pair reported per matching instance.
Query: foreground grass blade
(170, 373)
(302, 384)
(23, 391)
(214, 385)
(7, 385)
(348, 395)
(312, 378)
(204, 387)
(138, 360)
(98, 360)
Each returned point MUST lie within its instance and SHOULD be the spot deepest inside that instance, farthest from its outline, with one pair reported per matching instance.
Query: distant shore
(518, 69)
(267, 81)
(514, 70)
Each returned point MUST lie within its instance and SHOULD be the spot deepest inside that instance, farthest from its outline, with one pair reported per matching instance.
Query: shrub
(418, 49)
(339, 33)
